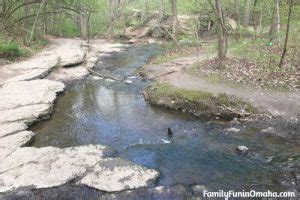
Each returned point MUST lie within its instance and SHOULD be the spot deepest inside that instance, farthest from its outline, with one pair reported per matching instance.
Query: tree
(247, 13)
(290, 2)
(174, 18)
(253, 19)
(238, 20)
(161, 10)
(222, 37)
(275, 21)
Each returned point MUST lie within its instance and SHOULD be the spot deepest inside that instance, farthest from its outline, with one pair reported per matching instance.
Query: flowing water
(115, 114)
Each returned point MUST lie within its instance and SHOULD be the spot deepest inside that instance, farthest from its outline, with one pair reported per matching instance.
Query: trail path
(176, 73)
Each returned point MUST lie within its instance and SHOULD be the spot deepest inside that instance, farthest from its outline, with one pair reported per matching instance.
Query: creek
(115, 114)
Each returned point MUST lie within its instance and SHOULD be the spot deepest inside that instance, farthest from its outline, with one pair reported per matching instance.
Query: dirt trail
(61, 52)
(176, 73)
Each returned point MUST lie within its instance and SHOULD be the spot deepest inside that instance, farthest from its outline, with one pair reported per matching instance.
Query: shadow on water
(115, 114)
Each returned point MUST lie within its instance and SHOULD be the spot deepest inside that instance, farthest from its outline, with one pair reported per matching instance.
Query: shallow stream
(203, 152)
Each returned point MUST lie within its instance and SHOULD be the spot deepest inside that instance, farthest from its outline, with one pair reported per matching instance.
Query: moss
(199, 103)
(191, 95)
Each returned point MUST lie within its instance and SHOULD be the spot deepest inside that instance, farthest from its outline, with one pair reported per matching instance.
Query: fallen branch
(104, 76)
(241, 113)
(167, 73)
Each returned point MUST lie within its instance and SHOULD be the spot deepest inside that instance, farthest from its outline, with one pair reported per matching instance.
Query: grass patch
(11, 51)
(191, 95)
(199, 103)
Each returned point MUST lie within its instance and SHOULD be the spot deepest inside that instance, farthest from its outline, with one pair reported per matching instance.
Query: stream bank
(28, 97)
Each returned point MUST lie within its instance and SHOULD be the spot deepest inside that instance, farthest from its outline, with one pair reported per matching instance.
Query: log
(104, 75)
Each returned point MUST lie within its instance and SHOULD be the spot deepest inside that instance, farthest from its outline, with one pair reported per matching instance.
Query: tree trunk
(161, 10)
(146, 10)
(88, 27)
(238, 18)
(2, 8)
(26, 11)
(2, 11)
(45, 19)
(254, 20)
(277, 21)
(222, 38)
(287, 33)
(35, 21)
(111, 8)
(83, 25)
(247, 13)
(174, 18)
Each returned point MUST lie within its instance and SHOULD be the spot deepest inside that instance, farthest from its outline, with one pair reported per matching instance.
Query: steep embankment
(26, 99)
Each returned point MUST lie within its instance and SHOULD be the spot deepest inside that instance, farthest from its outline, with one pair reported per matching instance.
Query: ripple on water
(115, 114)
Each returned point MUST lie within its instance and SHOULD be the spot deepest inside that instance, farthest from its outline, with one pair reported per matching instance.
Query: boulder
(115, 174)
(243, 150)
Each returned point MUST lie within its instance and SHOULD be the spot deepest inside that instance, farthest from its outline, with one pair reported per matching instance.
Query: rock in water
(128, 81)
(242, 150)
(166, 141)
(170, 133)
(198, 190)
(233, 130)
(132, 41)
(151, 41)
(269, 131)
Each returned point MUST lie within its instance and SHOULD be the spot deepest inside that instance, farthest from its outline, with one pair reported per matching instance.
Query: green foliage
(68, 28)
(11, 51)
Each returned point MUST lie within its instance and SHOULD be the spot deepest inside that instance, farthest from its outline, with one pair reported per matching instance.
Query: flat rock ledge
(36, 168)
(26, 99)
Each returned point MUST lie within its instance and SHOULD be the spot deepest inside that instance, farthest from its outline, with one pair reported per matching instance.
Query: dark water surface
(115, 114)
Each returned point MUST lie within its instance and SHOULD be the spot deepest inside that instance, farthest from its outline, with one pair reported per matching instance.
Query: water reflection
(115, 114)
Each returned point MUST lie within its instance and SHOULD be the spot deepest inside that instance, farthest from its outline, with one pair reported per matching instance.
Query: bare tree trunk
(35, 21)
(26, 11)
(174, 18)
(287, 33)
(2, 13)
(247, 13)
(254, 20)
(277, 22)
(260, 20)
(58, 23)
(146, 10)
(83, 26)
(222, 38)
(111, 8)
(238, 18)
(161, 10)
(2, 8)
(45, 19)
(88, 26)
